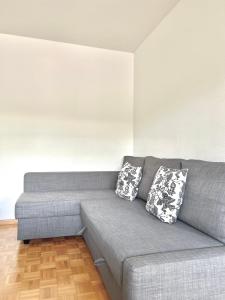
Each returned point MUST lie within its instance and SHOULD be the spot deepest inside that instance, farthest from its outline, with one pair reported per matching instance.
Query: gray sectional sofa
(138, 256)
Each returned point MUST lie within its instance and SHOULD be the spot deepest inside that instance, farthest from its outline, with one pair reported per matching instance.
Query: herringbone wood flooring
(53, 269)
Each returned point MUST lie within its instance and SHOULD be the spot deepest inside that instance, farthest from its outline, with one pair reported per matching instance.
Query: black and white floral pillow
(166, 194)
(128, 181)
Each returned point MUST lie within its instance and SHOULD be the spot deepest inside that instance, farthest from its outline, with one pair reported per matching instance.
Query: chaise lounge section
(50, 204)
(138, 256)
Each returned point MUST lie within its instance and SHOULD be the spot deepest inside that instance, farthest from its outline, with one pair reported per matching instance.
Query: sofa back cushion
(69, 181)
(204, 198)
(135, 161)
(151, 166)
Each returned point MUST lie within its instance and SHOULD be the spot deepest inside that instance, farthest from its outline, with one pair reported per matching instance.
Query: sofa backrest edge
(69, 181)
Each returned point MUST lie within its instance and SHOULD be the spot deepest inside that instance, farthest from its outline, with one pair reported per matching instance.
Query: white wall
(179, 86)
(62, 107)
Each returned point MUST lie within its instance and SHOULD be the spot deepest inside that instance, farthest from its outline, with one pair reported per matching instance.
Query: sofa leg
(26, 242)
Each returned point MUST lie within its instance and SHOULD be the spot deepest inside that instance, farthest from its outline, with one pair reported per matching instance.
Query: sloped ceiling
(112, 24)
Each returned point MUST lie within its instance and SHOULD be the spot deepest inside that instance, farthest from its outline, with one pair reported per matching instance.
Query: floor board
(53, 269)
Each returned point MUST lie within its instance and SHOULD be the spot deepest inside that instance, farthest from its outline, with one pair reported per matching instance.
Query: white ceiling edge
(156, 26)
(126, 23)
(8, 36)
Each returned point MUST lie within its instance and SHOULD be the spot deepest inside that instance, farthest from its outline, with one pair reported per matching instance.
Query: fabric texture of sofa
(138, 256)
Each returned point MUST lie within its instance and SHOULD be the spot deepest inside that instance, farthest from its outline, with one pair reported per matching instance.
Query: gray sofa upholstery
(138, 232)
(189, 274)
(138, 256)
(50, 204)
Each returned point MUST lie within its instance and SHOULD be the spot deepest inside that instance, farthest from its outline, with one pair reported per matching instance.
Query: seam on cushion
(49, 202)
(20, 206)
(212, 237)
(47, 217)
(150, 254)
(41, 202)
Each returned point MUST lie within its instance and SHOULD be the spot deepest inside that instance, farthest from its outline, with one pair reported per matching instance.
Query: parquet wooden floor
(51, 269)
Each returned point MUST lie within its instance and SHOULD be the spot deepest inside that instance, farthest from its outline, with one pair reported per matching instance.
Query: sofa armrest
(189, 274)
(62, 181)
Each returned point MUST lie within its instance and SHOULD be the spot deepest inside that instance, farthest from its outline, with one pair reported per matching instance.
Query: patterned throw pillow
(128, 181)
(166, 194)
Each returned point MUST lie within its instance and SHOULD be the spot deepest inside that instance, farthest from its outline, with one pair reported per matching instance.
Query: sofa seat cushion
(123, 229)
(51, 204)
